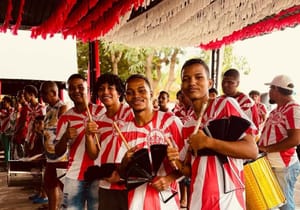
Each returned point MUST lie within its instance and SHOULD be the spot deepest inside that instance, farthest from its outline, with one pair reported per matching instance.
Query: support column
(215, 64)
(94, 68)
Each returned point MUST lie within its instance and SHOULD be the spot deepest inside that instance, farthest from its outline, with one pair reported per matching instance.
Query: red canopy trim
(79, 12)
(286, 18)
(55, 22)
(87, 21)
(16, 27)
(8, 16)
(106, 22)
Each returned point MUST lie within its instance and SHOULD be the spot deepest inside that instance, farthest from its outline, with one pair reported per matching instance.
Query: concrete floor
(16, 197)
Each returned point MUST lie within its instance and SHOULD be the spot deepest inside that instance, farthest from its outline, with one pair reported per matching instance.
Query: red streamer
(15, 28)
(76, 15)
(55, 22)
(87, 21)
(108, 20)
(286, 18)
(8, 16)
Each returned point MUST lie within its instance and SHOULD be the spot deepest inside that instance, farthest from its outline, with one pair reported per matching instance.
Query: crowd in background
(36, 122)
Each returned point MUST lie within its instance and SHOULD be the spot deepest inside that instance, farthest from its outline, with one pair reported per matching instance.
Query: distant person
(35, 109)
(36, 147)
(230, 84)
(183, 108)
(71, 134)
(212, 93)
(163, 100)
(261, 108)
(155, 104)
(55, 108)
(21, 126)
(281, 135)
(6, 132)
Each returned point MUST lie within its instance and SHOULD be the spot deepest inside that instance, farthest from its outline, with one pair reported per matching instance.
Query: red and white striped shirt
(33, 112)
(162, 125)
(6, 118)
(110, 143)
(262, 110)
(207, 179)
(249, 107)
(184, 114)
(276, 128)
(79, 160)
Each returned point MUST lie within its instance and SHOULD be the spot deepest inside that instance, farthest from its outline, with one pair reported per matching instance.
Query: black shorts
(113, 199)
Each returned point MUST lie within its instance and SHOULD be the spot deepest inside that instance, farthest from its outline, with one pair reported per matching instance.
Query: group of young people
(116, 132)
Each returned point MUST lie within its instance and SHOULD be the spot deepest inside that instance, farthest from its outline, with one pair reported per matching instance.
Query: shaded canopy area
(206, 23)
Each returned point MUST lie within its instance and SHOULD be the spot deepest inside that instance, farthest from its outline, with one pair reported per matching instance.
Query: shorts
(50, 177)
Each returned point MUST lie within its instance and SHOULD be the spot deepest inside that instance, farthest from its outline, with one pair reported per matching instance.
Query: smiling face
(195, 82)
(108, 94)
(138, 95)
(77, 89)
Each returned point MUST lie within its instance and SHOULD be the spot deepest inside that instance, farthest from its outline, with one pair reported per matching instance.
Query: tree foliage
(233, 61)
(158, 65)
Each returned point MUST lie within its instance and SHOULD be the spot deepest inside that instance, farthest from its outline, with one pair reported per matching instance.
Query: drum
(24, 173)
(262, 188)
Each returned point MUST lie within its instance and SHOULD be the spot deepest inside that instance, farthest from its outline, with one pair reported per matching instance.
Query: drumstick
(171, 145)
(91, 119)
(204, 105)
(121, 135)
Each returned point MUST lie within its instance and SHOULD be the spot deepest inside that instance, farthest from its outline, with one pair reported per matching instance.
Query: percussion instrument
(22, 173)
(262, 188)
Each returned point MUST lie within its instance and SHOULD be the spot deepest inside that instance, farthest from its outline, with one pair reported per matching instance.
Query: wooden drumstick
(121, 135)
(91, 119)
(200, 118)
(171, 145)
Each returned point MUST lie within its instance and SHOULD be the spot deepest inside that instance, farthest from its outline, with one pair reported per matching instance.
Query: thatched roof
(206, 23)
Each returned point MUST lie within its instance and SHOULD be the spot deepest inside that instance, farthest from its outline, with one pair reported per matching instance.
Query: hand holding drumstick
(91, 119)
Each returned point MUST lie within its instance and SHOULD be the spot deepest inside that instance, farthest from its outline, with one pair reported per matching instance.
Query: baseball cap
(282, 81)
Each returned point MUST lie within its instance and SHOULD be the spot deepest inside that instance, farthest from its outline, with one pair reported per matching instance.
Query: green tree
(233, 61)
(82, 57)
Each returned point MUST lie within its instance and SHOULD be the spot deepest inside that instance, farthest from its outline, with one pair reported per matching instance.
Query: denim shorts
(287, 178)
(78, 194)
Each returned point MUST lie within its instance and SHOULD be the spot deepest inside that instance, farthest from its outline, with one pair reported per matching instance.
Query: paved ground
(16, 197)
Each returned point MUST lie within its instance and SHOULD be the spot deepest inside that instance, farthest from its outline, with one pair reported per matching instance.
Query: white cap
(282, 81)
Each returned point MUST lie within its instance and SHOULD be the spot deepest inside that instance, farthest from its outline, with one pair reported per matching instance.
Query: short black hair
(46, 85)
(111, 79)
(138, 76)
(76, 76)
(196, 61)
(213, 90)
(8, 99)
(31, 90)
(164, 92)
(254, 92)
(232, 73)
(179, 92)
(20, 93)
